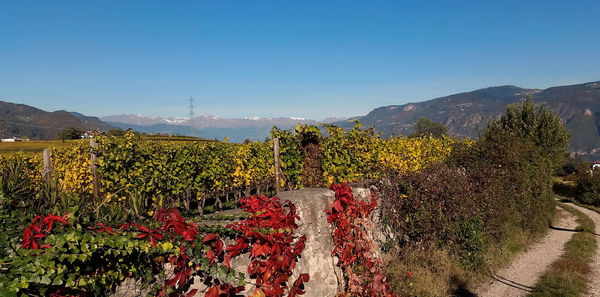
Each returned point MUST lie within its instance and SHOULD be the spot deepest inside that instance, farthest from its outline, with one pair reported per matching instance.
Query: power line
(191, 116)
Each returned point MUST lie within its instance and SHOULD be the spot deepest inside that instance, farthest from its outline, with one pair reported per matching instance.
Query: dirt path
(594, 286)
(519, 278)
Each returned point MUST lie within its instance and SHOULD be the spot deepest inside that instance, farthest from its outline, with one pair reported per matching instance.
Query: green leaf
(45, 280)
(57, 281)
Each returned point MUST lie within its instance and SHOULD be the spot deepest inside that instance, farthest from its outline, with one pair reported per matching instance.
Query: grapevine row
(141, 176)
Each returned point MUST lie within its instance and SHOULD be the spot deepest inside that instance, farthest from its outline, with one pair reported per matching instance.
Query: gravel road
(519, 278)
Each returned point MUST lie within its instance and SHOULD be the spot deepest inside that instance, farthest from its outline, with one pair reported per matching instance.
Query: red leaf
(189, 235)
(142, 228)
(209, 237)
(212, 292)
(210, 255)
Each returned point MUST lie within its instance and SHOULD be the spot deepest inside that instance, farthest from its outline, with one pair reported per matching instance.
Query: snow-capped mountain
(205, 121)
(144, 120)
(207, 126)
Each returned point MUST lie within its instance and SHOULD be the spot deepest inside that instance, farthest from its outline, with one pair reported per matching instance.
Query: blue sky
(285, 58)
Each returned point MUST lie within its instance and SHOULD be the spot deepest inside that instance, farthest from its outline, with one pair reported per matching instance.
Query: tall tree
(425, 127)
(70, 133)
(539, 126)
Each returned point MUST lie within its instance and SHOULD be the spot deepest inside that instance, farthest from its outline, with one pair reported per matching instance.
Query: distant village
(14, 139)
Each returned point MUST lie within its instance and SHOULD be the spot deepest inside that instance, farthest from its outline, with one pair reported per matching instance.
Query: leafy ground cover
(57, 256)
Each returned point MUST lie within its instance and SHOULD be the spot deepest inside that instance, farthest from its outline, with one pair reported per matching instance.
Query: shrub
(487, 194)
(471, 240)
(588, 186)
(57, 256)
(19, 179)
(428, 207)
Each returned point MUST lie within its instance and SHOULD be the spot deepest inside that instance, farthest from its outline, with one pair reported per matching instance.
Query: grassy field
(38, 146)
(35, 146)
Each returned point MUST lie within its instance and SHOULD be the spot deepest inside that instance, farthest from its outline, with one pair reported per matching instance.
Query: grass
(570, 274)
(590, 207)
(35, 146)
(38, 146)
(435, 271)
(426, 273)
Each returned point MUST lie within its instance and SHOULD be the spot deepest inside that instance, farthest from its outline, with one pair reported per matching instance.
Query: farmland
(89, 217)
(36, 146)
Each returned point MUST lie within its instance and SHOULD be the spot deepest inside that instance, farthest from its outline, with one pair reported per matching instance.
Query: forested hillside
(29, 122)
(466, 114)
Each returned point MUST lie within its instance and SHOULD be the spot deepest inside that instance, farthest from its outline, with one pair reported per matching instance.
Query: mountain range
(33, 123)
(205, 126)
(465, 114)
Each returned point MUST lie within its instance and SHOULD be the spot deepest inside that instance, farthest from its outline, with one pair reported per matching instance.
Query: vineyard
(143, 176)
(87, 219)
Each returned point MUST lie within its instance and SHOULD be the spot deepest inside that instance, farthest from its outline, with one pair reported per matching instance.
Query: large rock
(311, 205)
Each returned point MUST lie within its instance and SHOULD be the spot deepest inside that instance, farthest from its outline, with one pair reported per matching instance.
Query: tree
(425, 127)
(539, 126)
(570, 166)
(70, 133)
(116, 132)
(588, 185)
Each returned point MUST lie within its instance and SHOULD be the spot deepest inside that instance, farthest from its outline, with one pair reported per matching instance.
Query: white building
(13, 139)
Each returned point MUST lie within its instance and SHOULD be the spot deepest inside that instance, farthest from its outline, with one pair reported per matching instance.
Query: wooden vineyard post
(277, 169)
(95, 181)
(47, 171)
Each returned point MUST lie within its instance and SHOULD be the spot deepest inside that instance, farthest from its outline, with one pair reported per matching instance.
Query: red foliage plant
(268, 236)
(354, 249)
(274, 250)
(39, 229)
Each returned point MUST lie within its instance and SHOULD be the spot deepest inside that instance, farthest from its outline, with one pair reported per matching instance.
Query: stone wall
(311, 205)
(316, 260)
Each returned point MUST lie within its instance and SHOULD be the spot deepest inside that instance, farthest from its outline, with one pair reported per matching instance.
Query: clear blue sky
(285, 58)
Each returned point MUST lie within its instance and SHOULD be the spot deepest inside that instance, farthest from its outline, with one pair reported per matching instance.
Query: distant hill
(33, 123)
(467, 113)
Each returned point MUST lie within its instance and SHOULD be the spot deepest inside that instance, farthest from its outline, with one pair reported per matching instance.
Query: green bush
(471, 236)
(16, 185)
(565, 189)
(588, 186)
(495, 192)
(70, 133)
(426, 207)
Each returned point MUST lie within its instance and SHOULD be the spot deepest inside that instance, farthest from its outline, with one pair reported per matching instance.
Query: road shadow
(463, 292)
(564, 229)
(513, 284)
(460, 288)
